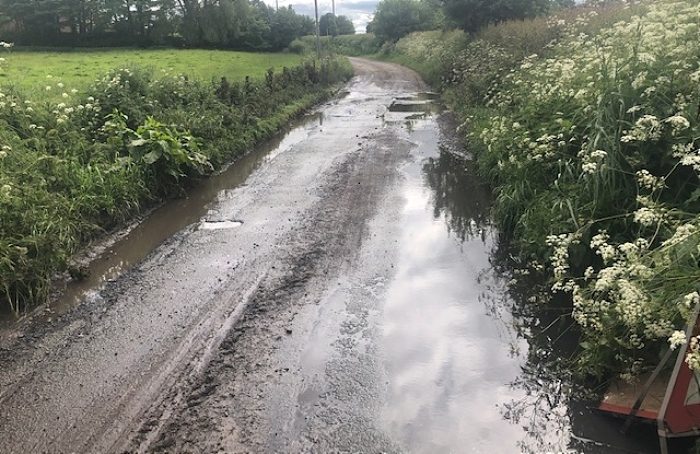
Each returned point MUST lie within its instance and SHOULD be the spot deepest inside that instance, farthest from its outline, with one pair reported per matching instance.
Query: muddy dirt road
(339, 295)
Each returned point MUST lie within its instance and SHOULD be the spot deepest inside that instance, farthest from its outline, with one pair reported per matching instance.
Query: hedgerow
(351, 45)
(73, 170)
(591, 140)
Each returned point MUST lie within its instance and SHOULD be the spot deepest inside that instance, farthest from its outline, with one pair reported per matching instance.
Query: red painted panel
(624, 411)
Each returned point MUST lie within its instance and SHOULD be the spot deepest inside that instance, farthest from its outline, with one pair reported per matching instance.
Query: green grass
(31, 71)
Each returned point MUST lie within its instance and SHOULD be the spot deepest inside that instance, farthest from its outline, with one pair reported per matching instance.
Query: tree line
(236, 24)
(394, 19)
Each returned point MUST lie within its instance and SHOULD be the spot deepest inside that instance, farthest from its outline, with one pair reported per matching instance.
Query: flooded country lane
(340, 290)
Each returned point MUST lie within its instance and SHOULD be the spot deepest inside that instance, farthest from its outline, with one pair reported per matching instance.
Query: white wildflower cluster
(692, 357)
(650, 214)
(5, 191)
(617, 292)
(4, 151)
(648, 181)
(687, 155)
(678, 123)
(587, 312)
(647, 217)
(648, 128)
(559, 259)
(690, 300)
(599, 243)
(682, 233)
(677, 339)
(593, 161)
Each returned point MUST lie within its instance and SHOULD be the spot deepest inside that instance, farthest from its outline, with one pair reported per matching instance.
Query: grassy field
(32, 71)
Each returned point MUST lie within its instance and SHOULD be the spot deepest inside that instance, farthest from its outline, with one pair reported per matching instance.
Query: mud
(343, 294)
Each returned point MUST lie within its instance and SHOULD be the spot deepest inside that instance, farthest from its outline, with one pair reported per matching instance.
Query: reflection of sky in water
(448, 364)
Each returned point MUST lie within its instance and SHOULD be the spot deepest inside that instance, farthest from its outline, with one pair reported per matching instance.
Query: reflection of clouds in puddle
(454, 352)
(447, 362)
(416, 198)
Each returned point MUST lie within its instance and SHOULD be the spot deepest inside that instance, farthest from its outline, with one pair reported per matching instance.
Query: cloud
(360, 12)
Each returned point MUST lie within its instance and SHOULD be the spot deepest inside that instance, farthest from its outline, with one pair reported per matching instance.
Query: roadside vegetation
(586, 123)
(76, 167)
(351, 45)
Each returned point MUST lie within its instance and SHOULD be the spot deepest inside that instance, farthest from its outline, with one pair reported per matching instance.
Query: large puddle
(175, 215)
(471, 365)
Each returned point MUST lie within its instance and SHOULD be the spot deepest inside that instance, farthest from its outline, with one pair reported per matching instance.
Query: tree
(327, 25)
(472, 15)
(397, 18)
(239, 24)
(286, 25)
(331, 25)
(345, 26)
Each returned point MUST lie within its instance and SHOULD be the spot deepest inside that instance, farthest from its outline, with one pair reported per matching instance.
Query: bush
(432, 54)
(351, 45)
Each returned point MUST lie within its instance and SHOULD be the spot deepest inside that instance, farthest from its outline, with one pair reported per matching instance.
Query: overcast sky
(360, 12)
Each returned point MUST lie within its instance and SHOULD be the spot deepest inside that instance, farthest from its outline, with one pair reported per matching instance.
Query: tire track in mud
(220, 411)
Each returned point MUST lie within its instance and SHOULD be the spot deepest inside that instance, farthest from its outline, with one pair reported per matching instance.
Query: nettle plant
(597, 155)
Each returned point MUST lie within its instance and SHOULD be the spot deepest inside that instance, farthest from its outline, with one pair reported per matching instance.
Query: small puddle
(422, 96)
(408, 110)
(174, 216)
(417, 106)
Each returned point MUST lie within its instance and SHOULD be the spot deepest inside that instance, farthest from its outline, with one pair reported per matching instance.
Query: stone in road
(333, 303)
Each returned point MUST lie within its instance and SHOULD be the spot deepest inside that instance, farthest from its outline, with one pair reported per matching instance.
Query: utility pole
(318, 32)
(277, 5)
(335, 19)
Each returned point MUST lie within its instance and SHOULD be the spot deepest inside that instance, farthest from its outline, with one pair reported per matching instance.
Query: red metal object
(682, 414)
(625, 411)
(673, 401)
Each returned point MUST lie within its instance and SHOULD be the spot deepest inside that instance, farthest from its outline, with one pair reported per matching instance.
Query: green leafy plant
(170, 154)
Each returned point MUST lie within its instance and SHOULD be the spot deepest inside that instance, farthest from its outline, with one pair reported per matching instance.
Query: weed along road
(340, 295)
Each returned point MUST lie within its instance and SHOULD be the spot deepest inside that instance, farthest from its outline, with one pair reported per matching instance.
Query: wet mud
(344, 291)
